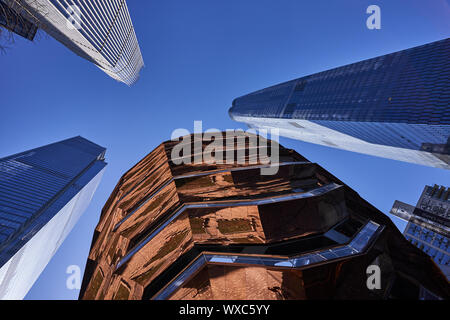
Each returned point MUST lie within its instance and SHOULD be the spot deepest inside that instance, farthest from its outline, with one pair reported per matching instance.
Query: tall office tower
(43, 192)
(98, 31)
(211, 230)
(13, 18)
(428, 225)
(394, 106)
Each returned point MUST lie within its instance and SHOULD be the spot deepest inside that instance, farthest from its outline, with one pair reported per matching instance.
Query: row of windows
(428, 236)
(438, 256)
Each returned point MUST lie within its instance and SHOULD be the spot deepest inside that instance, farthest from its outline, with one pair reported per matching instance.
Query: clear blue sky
(199, 56)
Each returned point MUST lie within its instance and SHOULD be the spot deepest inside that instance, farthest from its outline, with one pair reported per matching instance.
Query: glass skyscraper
(99, 31)
(43, 192)
(394, 106)
(428, 225)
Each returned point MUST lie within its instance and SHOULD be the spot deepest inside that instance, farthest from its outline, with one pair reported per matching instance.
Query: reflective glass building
(394, 106)
(428, 225)
(98, 31)
(43, 192)
(222, 230)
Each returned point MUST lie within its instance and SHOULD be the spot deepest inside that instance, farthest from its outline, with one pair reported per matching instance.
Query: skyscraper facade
(12, 17)
(394, 106)
(43, 192)
(98, 31)
(222, 230)
(428, 225)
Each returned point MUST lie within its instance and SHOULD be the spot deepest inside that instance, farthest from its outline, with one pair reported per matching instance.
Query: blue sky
(199, 56)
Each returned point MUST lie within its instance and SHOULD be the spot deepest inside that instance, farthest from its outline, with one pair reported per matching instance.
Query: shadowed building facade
(43, 193)
(394, 106)
(13, 18)
(204, 230)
